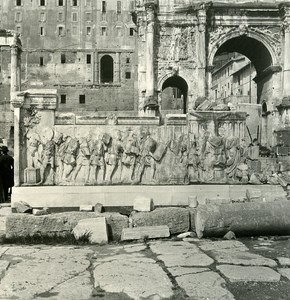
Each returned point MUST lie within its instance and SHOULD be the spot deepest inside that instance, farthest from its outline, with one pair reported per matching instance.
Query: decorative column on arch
(151, 102)
(201, 50)
(286, 29)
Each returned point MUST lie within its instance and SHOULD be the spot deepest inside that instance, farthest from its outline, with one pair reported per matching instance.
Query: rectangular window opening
(41, 63)
(127, 60)
(42, 2)
(82, 99)
(18, 2)
(104, 31)
(104, 6)
(60, 31)
(63, 99)
(89, 59)
(89, 30)
(18, 17)
(60, 2)
(128, 75)
(88, 16)
(119, 7)
(131, 31)
(42, 31)
(75, 17)
(62, 58)
(74, 2)
(60, 16)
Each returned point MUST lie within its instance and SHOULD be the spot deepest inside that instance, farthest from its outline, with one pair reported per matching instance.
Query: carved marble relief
(136, 156)
(177, 43)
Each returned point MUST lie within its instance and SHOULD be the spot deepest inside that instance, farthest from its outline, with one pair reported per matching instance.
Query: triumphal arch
(206, 142)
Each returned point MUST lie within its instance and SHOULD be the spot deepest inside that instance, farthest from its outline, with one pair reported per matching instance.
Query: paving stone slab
(284, 261)
(144, 279)
(45, 269)
(285, 272)
(179, 271)
(241, 273)
(205, 285)
(134, 248)
(244, 258)
(180, 254)
(3, 250)
(219, 245)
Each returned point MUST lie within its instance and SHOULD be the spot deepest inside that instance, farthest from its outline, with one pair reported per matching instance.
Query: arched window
(107, 69)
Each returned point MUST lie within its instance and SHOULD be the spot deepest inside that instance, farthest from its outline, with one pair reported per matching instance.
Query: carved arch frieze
(269, 38)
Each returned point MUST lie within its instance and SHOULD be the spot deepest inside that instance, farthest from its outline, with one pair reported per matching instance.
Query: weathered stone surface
(205, 285)
(177, 219)
(222, 245)
(40, 212)
(285, 272)
(179, 271)
(60, 224)
(230, 236)
(150, 232)
(146, 278)
(134, 248)
(192, 213)
(188, 254)
(95, 228)
(243, 219)
(3, 250)
(86, 208)
(22, 207)
(98, 208)
(217, 201)
(142, 203)
(243, 258)
(284, 261)
(254, 194)
(45, 269)
(186, 234)
(192, 201)
(3, 266)
(240, 273)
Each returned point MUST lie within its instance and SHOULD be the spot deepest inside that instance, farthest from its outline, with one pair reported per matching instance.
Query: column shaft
(14, 77)
(17, 147)
(286, 74)
(150, 60)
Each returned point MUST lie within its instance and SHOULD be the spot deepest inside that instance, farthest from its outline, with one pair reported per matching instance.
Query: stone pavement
(158, 269)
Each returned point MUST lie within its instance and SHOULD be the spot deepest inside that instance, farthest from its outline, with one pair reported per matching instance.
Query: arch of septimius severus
(178, 41)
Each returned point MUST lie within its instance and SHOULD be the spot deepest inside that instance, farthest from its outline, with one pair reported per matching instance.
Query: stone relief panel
(177, 44)
(208, 149)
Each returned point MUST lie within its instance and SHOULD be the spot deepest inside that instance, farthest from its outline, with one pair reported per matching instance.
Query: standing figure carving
(233, 152)
(83, 160)
(47, 157)
(59, 140)
(145, 162)
(97, 161)
(33, 142)
(113, 159)
(129, 157)
(69, 158)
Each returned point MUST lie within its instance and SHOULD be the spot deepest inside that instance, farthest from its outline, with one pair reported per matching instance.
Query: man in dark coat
(6, 172)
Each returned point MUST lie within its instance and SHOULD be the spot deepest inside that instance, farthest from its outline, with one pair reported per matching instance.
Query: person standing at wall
(6, 173)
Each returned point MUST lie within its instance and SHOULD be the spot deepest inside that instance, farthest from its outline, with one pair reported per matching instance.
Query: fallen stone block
(217, 201)
(40, 212)
(86, 208)
(230, 236)
(143, 204)
(98, 208)
(192, 201)
(95, 229)
(150, 232)
(186, 234)
(176, 218)
(245, 219)
(60, 224)
(22, 207)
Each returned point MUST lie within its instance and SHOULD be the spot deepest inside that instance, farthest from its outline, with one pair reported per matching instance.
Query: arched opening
(242, 79)
(174, 95)
(107, 69)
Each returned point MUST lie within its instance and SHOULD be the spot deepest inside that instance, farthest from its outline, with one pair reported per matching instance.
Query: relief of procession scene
(155, 155)
(85, 155)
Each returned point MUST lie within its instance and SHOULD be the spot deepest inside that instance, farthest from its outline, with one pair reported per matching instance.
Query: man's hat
(4, 149)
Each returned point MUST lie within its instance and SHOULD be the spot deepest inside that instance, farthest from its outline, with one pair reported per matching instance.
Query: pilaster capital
(286, 26)
(201, 16)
